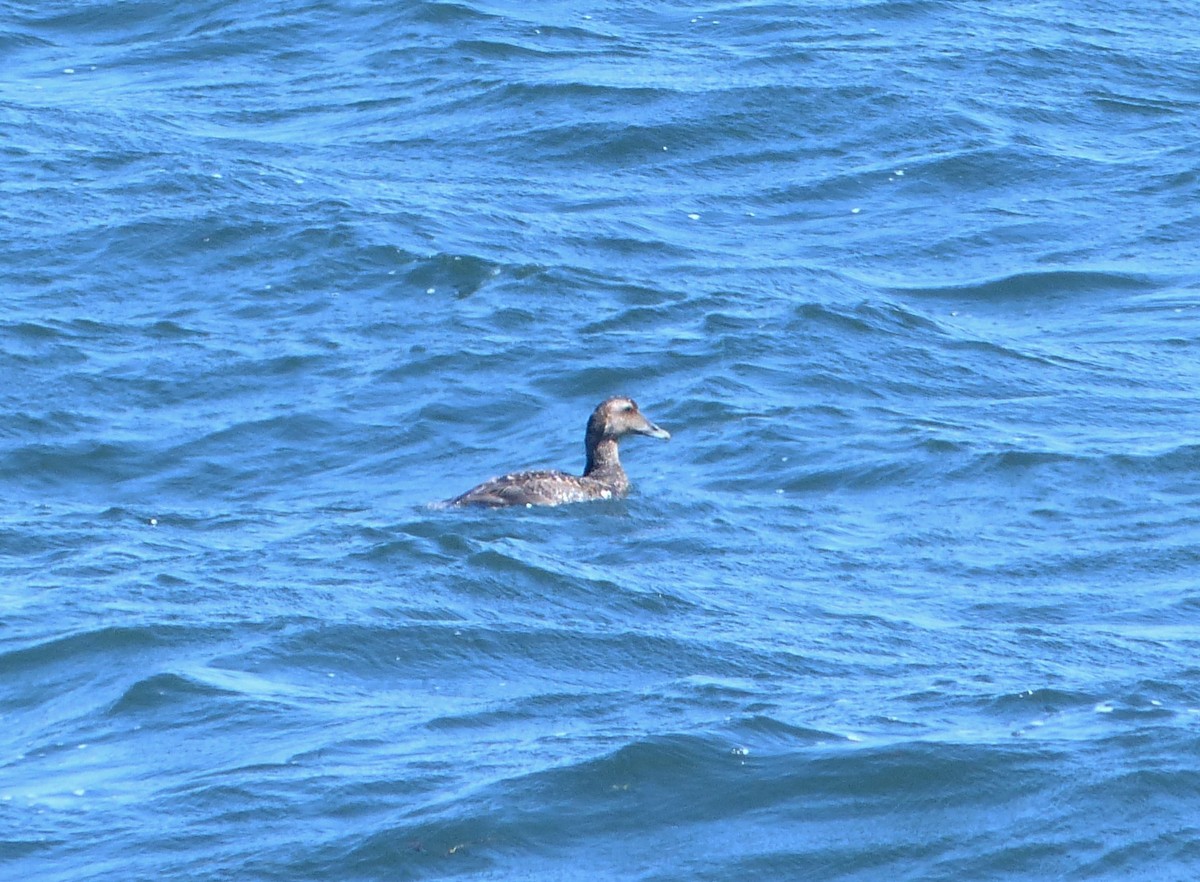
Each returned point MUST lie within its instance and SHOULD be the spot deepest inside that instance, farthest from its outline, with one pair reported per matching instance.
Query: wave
(1045, 287)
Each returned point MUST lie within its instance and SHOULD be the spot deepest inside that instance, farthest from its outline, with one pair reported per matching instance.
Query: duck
(602, 478)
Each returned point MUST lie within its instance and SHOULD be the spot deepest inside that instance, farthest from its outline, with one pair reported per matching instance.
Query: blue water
(911, 594)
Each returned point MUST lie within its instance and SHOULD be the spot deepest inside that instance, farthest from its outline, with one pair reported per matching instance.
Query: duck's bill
(654, 431)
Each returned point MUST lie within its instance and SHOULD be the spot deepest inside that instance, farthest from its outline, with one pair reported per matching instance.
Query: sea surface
(912, 593)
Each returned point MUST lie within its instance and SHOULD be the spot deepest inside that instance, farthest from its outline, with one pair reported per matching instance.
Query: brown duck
(603, 477)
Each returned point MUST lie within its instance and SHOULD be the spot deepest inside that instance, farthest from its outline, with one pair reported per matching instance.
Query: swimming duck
(603, 477)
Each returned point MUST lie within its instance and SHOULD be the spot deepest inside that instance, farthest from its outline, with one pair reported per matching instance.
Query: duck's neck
(602, 461)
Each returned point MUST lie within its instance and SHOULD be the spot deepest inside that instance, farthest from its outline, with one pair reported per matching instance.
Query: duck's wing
(531, 488)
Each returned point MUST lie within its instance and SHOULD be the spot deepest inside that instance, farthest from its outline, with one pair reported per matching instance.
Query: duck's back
(537, 488)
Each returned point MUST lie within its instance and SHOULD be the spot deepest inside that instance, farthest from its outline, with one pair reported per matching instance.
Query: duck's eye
(629, 408)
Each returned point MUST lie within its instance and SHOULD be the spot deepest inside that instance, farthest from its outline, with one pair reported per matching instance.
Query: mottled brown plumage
(603, 477)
